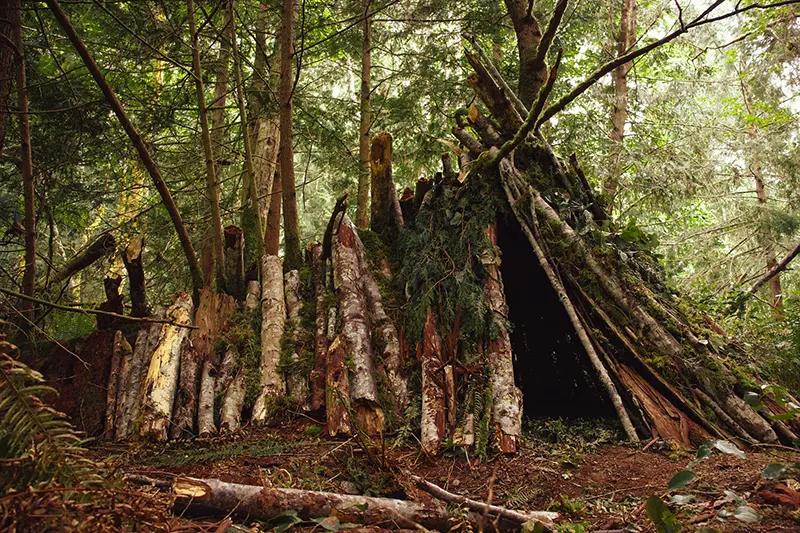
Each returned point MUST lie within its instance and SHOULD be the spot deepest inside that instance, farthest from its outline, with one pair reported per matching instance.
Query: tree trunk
(362, 209)
(132, 257)
(9, 20)
(293, 257)
(233, 271)
(317, 378)
(337, 401)
(619, 80)
(113, 303)
(432, 415)
(138, 142)
(212, 180)
(532, 73)
(132, 371)
(348, 275)
(29, 277)
(386, 218)
(161, 381)
(273, 316)
(102, 246)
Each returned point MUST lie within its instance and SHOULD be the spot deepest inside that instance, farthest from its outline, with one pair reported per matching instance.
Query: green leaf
(753, 400)
(783, 416)
(681, 479)
(661, 516)
(728, 447)
(773, 471)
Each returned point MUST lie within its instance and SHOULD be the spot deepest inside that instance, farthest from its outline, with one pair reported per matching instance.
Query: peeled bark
(132, 371)
(212, 496)
(296, 383)
(386, 218)
(273, 316)
(506, 397)
(348, 275)
(122, 351)
(337, 401)
(432, 415)
(161, 381)
(132, 257)
(317, 377)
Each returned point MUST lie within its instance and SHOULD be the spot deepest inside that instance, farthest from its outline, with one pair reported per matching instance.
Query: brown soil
(599, 486)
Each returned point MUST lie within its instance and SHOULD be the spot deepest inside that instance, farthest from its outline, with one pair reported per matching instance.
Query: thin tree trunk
(362, 210)
(233, 271)
(212, 180)
(291, 238)
(161, 381)
(138, 142)
(273, 317)
(619, 112)
(9, 20)
(29, 277)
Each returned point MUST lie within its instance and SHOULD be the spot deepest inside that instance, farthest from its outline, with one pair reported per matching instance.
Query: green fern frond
(37, 444)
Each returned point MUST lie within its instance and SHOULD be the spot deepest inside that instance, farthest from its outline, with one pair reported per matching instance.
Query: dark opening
(550, 364)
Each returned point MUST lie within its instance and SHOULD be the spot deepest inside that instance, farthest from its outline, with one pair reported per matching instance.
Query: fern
(37, 444)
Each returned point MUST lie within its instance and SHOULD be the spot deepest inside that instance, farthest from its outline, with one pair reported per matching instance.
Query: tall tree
(291, 231)
(362, 208)
(625, 39)
(8, 12)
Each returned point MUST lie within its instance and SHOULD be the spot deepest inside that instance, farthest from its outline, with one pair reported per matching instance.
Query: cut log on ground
(273, 317)
(212, 496)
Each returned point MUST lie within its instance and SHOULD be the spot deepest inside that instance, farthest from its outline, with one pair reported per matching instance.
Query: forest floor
(576, 469)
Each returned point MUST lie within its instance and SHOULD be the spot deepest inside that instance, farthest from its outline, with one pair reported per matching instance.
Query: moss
(745, 378)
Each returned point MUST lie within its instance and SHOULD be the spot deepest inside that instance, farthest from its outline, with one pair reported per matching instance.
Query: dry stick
(95, 311)
(136, 139)
(605, 379)
(544, 517)
(777, 269)
(212, 181)
(611, 65)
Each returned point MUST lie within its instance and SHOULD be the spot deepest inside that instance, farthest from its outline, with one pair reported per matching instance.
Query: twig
(96, 311)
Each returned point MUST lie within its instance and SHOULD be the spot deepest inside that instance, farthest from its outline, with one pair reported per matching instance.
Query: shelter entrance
(550, 364)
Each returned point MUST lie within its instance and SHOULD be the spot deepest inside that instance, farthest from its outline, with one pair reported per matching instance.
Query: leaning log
(98, 249)
(232, 387)
(273, 316)
(386, 217)
(432, 416)
(296, 382)
(355, 328)
(316, 379)
(233, 267)
(337, 401)
(212, 496)
(161, 381)
(122, 350)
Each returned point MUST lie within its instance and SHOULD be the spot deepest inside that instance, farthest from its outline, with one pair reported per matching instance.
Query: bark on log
(132, 257)
(253, 298)
(184, 415)
(386, 218)
(113, 303)
(98, 249)
(273, 316)
(317, 378)
(212, 496)
(506, 397)
(132, 371)
(161, 381)
(423, 186)
(205, 400)
(233, 269)
(337, 400)
(296, 382)
(355, 327)
(487, 89)
(231, 387)
(407, 206)
(432, 414)
(122, 351)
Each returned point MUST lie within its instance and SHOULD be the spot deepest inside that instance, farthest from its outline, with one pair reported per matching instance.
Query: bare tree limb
(774, 271)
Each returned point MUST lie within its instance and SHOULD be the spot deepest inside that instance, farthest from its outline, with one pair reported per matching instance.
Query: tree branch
(550, 32)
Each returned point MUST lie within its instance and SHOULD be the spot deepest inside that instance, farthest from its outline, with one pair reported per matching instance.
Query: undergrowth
(182, 453)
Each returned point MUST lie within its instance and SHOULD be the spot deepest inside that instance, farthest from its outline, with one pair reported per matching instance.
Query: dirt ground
(578, 470)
